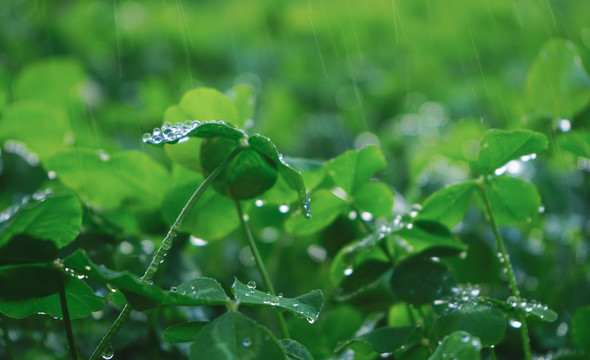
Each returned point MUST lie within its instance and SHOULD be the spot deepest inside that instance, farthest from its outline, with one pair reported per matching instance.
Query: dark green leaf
(327, 207)
(292, 177)
(420, 281)
(106, 181)
(346, 259)
(56, 218)
(233, 336)
(80, 298)
(558, 85)
(141, 295)
(184, 332)
(23, 249)
(581, 328)
(512, 199)
(294, 350)
(459, 345)
(479, 318)
(383, 340)
(27, 281)
(499, 147)
(307, 306)
(363, 276)
(427, 237)
(449, 205)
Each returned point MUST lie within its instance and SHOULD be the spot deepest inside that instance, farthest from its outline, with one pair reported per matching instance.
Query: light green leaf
(206, 104)
(40, 127)
(426, 236)
(294, 350)
(512, 199)
(499, 147)
(106, 181)
(558, 85)
(459, 345)
(54, 81)
(375, 198)
(244, 99)
(183, 332)
(481, 319)
(56, 218)
(353, 168)
(233, 336)
(326, 208)
(213, 217)
(448, 205)
(307, 306)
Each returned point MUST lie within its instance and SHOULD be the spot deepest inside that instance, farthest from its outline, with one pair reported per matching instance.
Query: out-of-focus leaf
(512, 199)
(213, 216)
(244, 99)
(375, 198)
(307, 305)
(55, 81)
(499, 147)
(558, 85)
(581, 328)
(235, 337)
(107, 181)
(353, 168)
(56, 218)
(459, 345)
(448, 205)
(40, 127)
(183, 332)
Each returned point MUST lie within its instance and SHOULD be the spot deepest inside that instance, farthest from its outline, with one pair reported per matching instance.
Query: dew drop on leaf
(108, 353)
(515, 324)
(247, 342)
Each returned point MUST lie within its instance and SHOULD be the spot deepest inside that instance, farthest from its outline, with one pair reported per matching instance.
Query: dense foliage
(294, 179)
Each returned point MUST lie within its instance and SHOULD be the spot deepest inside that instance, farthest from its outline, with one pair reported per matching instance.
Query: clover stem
(66, 317)
(160, 254)
(493, 354)
(505, 261)
(261, 267)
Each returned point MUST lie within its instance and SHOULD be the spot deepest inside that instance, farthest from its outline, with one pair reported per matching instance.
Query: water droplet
(515, 324)
(564, 125)
(306, 206)
(173, 288)
(251, 285)
(108, 353)
(348, 271)
(562, 329)
(385, 355)
(146, 137)
(274, 301)
(87, 268)
(102, 155)
(529, 307)
(260, 203)
(81, 277)
(465, 339)
(247, 342)
(283, 209)
(366, 216)
(310, 320)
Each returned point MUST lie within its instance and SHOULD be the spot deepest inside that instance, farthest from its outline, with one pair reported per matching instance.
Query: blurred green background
(422, 79)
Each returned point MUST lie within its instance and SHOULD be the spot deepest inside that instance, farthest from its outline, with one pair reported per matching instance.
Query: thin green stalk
(66, 317)
(162, 251)
(8, 344)
(505, 261)
(493, 354)
(261, 267)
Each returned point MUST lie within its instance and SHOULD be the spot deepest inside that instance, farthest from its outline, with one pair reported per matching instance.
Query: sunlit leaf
(558, 84)
(353, 168)
(512, 199)
(233, 336)
(499, 147)
(307, 305)
(448, 205)
(459, 345)
(56, 218)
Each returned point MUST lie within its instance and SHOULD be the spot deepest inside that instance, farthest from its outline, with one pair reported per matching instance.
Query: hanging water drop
(108, 353)
(310, 320)
(247, 342)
